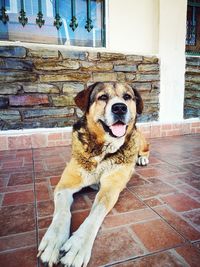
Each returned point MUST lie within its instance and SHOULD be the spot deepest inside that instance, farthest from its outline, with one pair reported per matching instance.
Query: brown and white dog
(105, 148)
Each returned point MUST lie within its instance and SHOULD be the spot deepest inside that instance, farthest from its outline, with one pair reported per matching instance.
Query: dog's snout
(119, 109)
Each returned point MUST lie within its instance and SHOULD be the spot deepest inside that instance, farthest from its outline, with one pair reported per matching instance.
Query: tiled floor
(156, 221)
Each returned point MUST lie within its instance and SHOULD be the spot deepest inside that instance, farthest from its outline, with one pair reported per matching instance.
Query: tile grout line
(17, 249)
(162, 218)
(144, 256)
(35, 203)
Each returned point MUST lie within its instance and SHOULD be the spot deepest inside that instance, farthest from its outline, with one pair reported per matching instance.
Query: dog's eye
(127, 97)
(103, 97)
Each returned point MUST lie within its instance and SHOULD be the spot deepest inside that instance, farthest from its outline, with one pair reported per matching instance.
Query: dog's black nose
(119, 109)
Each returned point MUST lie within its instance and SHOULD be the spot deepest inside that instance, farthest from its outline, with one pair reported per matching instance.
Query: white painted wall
(132, 26)
(154, 27)
(172, 32)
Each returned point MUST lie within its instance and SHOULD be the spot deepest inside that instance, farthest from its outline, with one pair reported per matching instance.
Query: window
(75, 22)
(193, 27)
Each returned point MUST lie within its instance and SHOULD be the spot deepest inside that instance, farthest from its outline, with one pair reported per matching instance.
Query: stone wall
(192, 88)
(38, 83)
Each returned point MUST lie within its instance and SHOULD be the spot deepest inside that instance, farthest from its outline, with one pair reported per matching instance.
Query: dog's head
(111, 106)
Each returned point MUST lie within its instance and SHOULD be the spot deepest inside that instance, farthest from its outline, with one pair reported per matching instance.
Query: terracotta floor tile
(181, 202)
(41, 233)
(128, 202)
(78, 218)
(4, 179)
(153, 202)
(45, 208)
(152, 190)
(55, 163)
(12, 164)
(25, 153)
(91, 195)
(150, 172)
(1, 199)
(136, 180)
(194, 217)
(17, 188)
(17, 219)
(20, 178)
(197, 245)
(44, 222)
(154, 160)
(191, 255)
(175, 179)
(54, 180)
(192, 167)
(43, 191)
(79, 203)
(47, 174)
(163, 259)
(157, 235)
(19, 258)
(114, 245)
(192, 179)
(183, 227)
(129, 218)
(18, 198)
(190, 191)
(173, 171)
(17, 241)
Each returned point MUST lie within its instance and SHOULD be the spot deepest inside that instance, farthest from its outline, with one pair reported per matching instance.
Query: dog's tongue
(118, 129)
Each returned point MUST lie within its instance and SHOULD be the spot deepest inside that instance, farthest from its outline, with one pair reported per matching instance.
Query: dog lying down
(105, 148)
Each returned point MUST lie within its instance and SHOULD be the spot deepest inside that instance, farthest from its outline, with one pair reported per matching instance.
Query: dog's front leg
(76, 251)
(58, 231)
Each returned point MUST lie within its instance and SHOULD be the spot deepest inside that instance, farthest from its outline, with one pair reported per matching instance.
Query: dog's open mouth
(118, 129)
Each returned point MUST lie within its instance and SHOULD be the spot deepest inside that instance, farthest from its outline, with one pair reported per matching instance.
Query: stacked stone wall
(38, 84)
(192, 88)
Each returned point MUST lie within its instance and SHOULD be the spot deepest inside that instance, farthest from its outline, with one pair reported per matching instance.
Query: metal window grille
(39, 8)
(191, 28)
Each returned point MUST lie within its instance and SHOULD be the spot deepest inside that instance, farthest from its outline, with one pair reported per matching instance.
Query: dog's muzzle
(119, 111)
(117, 126)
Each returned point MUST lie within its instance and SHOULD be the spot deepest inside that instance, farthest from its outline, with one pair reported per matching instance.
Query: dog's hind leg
(78, 248)
(143, 154)
(58, 231)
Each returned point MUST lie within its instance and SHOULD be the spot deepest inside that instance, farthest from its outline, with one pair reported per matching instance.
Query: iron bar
(39, 20)
(103, 34)
(22, 18)
(4, 17)
(88, 25)
(57, 22)
(74, 23)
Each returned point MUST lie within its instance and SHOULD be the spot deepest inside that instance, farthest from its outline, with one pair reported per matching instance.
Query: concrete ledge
(36, 138)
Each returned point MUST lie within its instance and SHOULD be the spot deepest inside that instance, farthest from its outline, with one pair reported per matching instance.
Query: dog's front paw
(76, 251)
(49, 247)
(142, 161)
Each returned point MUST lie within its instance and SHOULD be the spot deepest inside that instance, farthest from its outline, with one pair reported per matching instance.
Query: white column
(172, 32)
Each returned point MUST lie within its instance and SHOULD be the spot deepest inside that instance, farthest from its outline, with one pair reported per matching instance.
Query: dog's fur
(105, 148)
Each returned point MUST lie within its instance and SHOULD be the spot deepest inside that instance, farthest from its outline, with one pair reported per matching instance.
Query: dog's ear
(82, 99)
(139, 101)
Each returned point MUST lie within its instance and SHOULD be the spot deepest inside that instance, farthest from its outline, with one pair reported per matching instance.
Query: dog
(105, 148)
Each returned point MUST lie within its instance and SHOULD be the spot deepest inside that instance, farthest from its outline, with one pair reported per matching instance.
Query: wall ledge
(74, 48)
(52, 137)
